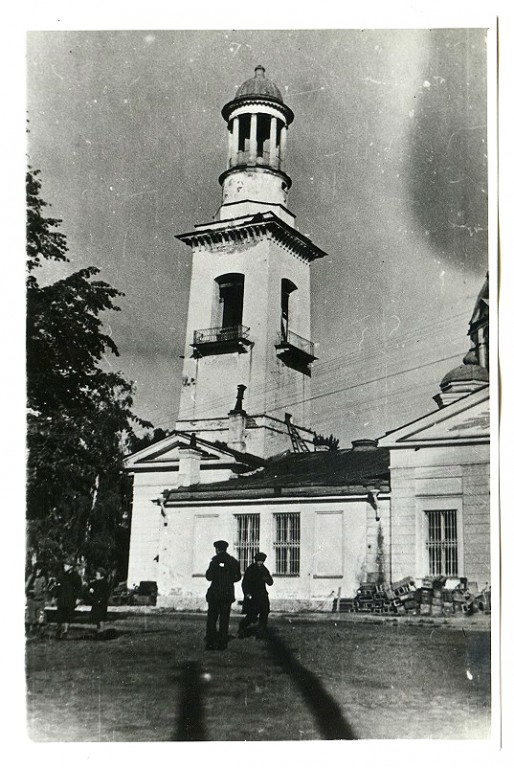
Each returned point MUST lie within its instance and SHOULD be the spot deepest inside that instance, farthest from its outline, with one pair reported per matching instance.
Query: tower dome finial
(261, 86)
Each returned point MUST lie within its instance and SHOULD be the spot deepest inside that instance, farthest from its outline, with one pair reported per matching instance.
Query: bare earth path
(326, 677)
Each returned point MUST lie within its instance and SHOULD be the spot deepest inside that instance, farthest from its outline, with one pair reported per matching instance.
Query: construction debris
(437, 596)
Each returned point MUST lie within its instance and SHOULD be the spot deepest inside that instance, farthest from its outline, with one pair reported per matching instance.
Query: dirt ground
(317, 677)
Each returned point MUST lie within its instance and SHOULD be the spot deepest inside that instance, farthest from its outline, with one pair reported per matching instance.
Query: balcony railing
(290, 339)
(295, 351)
(209, 335)
(222, 339)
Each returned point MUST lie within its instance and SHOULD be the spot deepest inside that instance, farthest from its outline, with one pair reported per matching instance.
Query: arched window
(287, 288)
(230, 299)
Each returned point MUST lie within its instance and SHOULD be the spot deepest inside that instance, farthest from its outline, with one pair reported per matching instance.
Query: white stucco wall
(145, 529)
(333, 550)
(210, 382)
(429, 478)
(147, 522)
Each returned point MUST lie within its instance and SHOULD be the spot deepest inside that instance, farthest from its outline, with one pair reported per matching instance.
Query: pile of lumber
(437, 596)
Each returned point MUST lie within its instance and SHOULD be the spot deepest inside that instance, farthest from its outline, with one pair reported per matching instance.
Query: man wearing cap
(223, 572)
(256, 600)
(69, 586)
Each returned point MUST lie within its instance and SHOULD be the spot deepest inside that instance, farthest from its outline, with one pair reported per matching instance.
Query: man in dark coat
(99, 591)
(256, 600)
(68, 588)
(223, 572)
(36, 589)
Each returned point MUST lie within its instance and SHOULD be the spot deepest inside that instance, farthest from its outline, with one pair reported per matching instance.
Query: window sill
(285, 575)
(330, 576)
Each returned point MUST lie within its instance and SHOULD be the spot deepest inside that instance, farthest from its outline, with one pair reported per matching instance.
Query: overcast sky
(387, 155)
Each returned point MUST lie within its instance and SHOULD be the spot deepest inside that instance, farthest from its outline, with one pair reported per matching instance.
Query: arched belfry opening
(286, 306)
(230, 296)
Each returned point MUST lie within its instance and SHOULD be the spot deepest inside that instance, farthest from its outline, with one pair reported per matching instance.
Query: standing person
(68, 588)
(36, 589)
(99, 591)
(223, 572)
(256, 600)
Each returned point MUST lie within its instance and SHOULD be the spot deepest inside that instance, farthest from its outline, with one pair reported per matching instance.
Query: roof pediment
(463, 421)
(165, 454)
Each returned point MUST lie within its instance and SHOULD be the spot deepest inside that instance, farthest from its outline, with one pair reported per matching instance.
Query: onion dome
(259, 85)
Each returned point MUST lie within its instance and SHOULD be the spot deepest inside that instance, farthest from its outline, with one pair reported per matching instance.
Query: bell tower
(249, 302)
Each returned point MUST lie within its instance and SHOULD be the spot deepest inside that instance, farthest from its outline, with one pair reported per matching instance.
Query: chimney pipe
(237, 423)
(189, 457)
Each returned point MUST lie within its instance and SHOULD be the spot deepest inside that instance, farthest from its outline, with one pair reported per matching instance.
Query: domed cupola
(255, 180)
(259, 85)
(473, 374)
(462, 380)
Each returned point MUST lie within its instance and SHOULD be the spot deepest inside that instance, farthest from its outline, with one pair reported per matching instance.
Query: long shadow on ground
(191, 725)
(328, 716)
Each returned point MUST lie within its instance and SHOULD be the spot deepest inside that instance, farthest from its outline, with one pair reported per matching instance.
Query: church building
(237, 467)
(440, 470)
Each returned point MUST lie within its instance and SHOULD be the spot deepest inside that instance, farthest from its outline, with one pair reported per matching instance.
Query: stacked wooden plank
(404, 596)
(437, 596)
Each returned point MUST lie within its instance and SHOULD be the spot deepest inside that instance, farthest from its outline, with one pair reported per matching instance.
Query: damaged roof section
(323, 473)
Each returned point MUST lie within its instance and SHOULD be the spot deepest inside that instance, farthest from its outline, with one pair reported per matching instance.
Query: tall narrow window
(230, 296)
(247, 538)
(441, 542)
(287, 288)
(287, 543)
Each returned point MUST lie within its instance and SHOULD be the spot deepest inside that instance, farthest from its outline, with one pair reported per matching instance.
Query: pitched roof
(463, 421)
(164, 452)
(298, 474)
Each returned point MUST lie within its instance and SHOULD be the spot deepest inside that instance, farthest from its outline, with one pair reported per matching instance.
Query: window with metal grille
(247, 538)
(441, 542)
(287, 543)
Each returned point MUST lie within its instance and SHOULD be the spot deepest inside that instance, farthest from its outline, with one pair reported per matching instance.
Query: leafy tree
(79, 415)
(149, 437)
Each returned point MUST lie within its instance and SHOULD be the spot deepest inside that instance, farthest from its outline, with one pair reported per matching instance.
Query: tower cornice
(241, 231)
(247, 100)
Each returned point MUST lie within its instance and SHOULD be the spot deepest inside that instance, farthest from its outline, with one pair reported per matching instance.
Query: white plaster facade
(441, 462)
(334, 555)
(168, 464)
(210, 380)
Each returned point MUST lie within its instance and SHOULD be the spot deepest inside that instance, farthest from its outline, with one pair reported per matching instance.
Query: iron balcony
(222, 339)
(294, 349)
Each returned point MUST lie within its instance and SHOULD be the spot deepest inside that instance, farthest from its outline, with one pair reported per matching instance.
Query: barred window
(287, 543)
(441, 542)
(247, 538)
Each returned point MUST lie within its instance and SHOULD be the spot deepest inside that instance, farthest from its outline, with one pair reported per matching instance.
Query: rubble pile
(439, 596)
